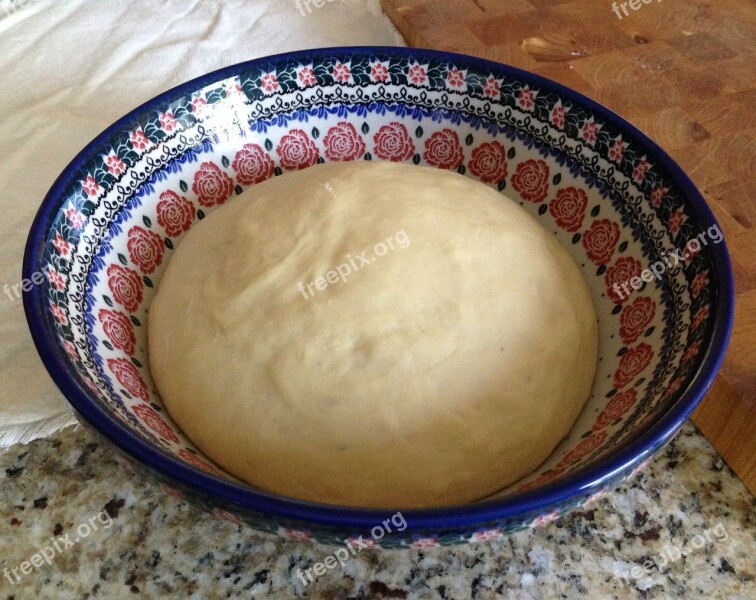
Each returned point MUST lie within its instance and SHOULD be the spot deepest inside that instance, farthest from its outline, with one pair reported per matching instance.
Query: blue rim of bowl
(580, 483)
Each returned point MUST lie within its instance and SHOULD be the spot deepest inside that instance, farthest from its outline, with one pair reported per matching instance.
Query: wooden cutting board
(684, 72)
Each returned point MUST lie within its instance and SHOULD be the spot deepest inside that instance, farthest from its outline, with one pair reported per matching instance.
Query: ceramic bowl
(647, 244)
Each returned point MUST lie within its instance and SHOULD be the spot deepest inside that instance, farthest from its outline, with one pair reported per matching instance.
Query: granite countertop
(686, 517)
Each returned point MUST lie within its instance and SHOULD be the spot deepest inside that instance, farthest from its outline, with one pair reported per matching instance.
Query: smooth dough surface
(436, 374)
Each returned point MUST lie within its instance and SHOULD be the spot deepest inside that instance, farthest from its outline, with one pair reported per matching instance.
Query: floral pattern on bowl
(627, 214)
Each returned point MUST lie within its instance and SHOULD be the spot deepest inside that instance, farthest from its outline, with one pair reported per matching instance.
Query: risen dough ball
(436, 374)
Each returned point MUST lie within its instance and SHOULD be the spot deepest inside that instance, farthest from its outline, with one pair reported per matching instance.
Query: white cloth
(68, 70)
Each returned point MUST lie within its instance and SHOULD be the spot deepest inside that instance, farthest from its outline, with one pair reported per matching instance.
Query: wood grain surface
(684, 72)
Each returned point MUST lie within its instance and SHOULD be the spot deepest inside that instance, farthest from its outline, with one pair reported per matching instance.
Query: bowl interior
(124, 205)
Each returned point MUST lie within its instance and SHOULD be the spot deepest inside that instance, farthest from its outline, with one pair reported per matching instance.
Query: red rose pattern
(58, 313)
(676, 220)
(486, 535)
(417, 74)
(138, 139)
(543, 479)
(71, 351)
(588, 445)
(590, 132)
(559, 116)
(443, 150)
(700, 317)
(196, 461)
(545, 519)
(635, 318)
(307, 76)
(341, 72)
(600, 240)
(691, 352)
(91, 187)
(673, 387)
(632, 364)
(619, 275)
(296, 150)
(145, 248)
(298, 535)
(342, 142)
(489, 162)
(424, 542)
(114, 164)
(531, 180)
(126, 286)
(392, 142)
(175, 213)
(227, 516)
(269, 82)
(657, 195)
(119, 329)
(128, 376)
(526, 98)
(252, 164)
(491, 87)
(150, 417)
(55, 279)
(617, 406)
(61, 245)
(379, 72)
(212, 185)
(700, 281)
(455, 77)
(568, 208)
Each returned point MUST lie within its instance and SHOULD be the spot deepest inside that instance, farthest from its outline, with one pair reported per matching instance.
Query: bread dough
(436, 373)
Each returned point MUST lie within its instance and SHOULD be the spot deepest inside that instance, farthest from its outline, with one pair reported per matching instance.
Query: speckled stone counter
(684, 528)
